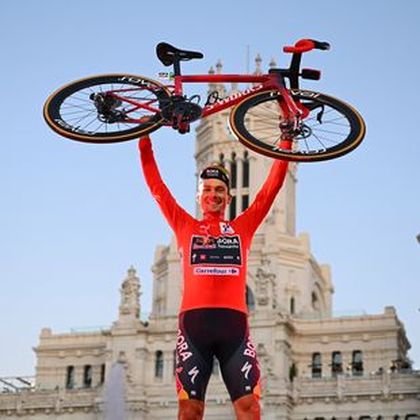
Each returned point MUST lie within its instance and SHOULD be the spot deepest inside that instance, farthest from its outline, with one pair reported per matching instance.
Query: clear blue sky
(74, 217)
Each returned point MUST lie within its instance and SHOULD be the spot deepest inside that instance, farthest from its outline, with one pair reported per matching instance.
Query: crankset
(181, 110)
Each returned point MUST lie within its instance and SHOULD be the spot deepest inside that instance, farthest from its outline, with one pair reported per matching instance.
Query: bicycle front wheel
(332, 128)
(107, 108)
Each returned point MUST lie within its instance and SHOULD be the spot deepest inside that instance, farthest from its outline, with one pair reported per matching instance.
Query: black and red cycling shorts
(208, 333)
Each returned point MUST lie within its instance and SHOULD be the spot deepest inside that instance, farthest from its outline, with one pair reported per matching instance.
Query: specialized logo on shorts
(193, 373)
(216, 271)
(220, 250)
(246, 368)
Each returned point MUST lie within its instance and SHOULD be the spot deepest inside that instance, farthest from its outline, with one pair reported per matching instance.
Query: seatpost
(177, 66)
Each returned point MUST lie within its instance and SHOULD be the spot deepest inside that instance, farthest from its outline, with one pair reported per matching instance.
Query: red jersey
(213, 251)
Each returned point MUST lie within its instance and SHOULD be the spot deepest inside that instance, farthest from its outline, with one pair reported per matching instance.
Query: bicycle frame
(292, 111)
(266, 82)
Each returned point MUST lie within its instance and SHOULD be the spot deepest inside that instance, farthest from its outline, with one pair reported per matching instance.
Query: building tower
(283, 275)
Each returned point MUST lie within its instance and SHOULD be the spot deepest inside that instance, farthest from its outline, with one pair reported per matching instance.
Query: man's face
(213, 196)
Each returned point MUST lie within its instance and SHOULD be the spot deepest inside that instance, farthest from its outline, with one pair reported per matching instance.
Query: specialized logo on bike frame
(221, 250)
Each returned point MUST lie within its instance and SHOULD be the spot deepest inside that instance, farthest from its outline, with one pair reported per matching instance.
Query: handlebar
(305, 45)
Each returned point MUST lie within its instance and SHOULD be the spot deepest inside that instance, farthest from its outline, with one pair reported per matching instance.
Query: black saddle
(168, 54)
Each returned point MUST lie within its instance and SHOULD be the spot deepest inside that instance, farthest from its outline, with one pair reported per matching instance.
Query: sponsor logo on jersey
(215, 250)
(226, 228)
(216, 271)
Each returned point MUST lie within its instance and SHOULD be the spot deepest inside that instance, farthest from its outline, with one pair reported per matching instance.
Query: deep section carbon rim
(107, 108)
(332, 128)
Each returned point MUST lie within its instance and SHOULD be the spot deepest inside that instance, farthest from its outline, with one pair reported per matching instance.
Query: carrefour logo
(216, 271)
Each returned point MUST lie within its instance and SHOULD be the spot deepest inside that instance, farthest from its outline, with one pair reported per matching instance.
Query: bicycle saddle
(168, 54)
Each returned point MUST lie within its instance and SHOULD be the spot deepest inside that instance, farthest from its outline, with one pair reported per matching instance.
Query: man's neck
(213, 216)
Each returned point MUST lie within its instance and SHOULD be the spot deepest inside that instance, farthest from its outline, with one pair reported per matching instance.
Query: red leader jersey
(213, 251)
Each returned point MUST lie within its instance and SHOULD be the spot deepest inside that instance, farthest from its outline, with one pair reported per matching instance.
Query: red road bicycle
(118, 107)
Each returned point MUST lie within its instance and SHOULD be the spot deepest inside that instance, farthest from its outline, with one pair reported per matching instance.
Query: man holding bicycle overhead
(213, 319)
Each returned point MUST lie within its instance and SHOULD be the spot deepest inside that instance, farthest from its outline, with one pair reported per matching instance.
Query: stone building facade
(314, 365)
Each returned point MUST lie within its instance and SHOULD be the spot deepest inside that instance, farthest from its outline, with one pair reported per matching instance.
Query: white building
(314, 365)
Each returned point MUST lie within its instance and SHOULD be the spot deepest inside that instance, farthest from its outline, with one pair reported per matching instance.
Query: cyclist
(213, 315)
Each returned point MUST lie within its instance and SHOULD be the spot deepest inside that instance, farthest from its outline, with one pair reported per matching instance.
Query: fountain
(114, 394)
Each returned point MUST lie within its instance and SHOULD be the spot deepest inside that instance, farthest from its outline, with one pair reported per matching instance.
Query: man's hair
(215, 171)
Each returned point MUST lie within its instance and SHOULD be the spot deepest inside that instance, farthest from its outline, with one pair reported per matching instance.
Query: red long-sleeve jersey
(213, 251)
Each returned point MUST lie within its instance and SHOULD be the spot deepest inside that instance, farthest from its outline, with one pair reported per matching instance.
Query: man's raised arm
(173, 212)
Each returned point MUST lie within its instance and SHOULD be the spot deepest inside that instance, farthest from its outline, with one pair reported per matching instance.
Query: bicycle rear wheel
(332, 128)
(107, 108)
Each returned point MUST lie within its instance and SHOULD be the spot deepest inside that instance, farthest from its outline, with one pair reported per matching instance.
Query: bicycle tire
(70, 111)
(255, 122)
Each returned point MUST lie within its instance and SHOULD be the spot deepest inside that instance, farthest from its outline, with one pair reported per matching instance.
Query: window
(216, 366)
(337, 363)
(233, 171)
(250, 300)
(292, 305)
(232, 208)
(245, 171)
(245, 202)
(159, 364)
(87, 376)
(357, 363)
(102, 377)
(316, 365)
(70, 377)
(174, 362)
(222, 159)
(315, 301)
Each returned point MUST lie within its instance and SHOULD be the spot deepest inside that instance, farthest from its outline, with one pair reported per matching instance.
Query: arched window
(292, 305)
(232, 208)
(222, 159)
(245, 171)
(87, 376)
(174, 361)
(216, 366)
(70, 377)
(315, 301)
(102, 377)
(336, 363)
(357, 363)
(159, 364)
(245, 201)
(316, 365)
(233, 171)
(250, 300)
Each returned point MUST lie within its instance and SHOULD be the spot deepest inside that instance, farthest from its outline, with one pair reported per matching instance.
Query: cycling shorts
(208, 333)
